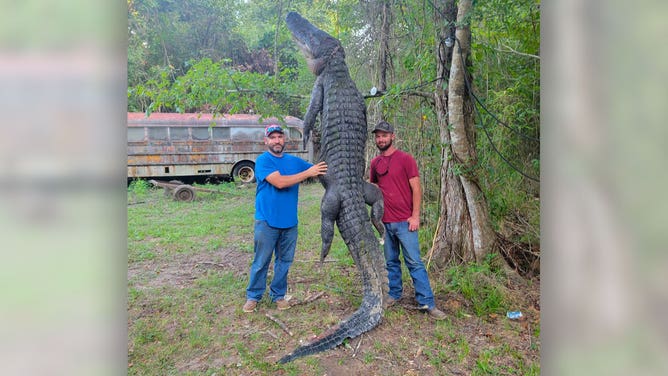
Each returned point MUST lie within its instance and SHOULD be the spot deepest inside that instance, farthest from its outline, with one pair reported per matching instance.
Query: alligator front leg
(373, 196)
(314, 108)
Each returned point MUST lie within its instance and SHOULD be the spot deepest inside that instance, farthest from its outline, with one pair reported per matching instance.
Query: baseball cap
(383, 126)
(271, 128)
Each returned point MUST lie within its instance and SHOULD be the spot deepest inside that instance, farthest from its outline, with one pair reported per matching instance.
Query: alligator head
(316, 45)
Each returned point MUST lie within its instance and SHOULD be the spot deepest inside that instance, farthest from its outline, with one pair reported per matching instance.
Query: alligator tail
(362, 320)
(371, 265)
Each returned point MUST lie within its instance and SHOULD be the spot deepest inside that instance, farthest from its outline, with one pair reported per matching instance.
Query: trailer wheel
(184, 193)
(244, 171)
(169, 190)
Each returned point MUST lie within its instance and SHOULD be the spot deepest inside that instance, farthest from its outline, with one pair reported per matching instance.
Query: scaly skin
(343, 138)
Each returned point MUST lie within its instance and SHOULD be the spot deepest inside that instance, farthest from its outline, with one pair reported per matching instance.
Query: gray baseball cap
(383, 126)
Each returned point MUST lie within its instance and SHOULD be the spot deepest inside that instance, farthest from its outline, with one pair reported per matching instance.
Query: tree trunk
(464, 232)
(384, 51)
(279, 22)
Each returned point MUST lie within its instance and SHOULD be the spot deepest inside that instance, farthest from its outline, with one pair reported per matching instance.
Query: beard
(383, 148)
(277, 148)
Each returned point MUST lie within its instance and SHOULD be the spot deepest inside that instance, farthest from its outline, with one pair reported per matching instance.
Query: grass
(188, 265)
(482, 285)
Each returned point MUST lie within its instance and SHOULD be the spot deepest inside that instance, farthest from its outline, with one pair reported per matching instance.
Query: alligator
(343, 135)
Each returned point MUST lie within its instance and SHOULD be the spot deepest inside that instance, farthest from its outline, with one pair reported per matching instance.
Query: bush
(139, 187)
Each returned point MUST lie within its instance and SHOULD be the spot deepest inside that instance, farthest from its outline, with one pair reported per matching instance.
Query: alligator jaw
(304, 48)
(314, 43)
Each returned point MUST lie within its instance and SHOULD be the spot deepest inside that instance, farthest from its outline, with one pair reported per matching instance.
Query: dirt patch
(182, 269)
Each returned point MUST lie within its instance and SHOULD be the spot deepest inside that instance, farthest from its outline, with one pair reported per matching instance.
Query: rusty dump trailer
(201, 147)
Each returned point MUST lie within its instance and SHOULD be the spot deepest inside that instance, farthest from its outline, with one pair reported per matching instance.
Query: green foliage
(145, 332)
(138, 190)
(506, 66)
(485, 364)
(212, 87)
(481, 284)
(170, 33)
(488, 362)
(139, 187)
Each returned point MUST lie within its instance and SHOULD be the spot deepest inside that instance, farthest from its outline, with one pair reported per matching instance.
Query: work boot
(250, 306)
(435, 313)
(389, 302)
(282, 304)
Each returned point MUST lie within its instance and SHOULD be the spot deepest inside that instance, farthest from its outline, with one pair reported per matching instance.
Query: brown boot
(389, 302)
(282, 305)
(250, 306)
(437, 314)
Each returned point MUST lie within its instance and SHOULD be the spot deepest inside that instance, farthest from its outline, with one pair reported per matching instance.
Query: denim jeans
(398, 237)
(267, 242)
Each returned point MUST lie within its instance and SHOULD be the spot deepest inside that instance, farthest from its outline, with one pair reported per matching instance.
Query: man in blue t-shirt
(278, 176)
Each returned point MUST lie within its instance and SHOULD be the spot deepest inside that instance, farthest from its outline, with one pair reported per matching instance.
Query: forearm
(416, 205)
(283, 181)
(416, 196)
(416, 208)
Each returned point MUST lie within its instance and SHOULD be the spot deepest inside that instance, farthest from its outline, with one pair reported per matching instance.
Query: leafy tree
(174, 32)
(215, 87)
(505, 52)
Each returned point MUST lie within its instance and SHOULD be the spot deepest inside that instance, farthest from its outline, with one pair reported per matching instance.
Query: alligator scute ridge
(343, 130)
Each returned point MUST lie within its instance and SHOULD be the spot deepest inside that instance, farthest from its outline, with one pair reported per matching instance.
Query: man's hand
(317, 169)
(413, 223)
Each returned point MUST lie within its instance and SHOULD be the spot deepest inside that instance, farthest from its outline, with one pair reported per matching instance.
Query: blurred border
(604, 301)
(62, 187)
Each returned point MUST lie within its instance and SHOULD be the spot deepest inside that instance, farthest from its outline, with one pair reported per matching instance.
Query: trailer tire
(244, 171)
(184, 193)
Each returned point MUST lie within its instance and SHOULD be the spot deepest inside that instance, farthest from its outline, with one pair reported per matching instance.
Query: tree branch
(510, 50)
(425, 95)
(280, 323)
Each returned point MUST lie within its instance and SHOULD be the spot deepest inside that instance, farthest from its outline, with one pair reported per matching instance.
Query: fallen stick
(314, 297)
(310, 298)
(358, 346)
(272, 334)
(277, 321)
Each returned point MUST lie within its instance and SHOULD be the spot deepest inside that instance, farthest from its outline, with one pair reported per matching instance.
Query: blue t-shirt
(277, 206)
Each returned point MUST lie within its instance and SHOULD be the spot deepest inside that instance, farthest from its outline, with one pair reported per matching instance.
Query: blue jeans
(398, 237)
(268, 241)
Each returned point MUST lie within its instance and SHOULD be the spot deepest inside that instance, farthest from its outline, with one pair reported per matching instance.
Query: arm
(414, 219)
(283, 181)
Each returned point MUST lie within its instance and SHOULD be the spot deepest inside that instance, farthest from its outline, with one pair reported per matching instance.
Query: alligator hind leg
(373, 196)
(329, 209)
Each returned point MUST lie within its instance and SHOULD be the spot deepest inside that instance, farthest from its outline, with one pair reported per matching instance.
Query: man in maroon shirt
(396, 173)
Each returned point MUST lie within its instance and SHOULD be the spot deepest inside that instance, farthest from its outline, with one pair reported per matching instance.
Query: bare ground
(407, 342)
